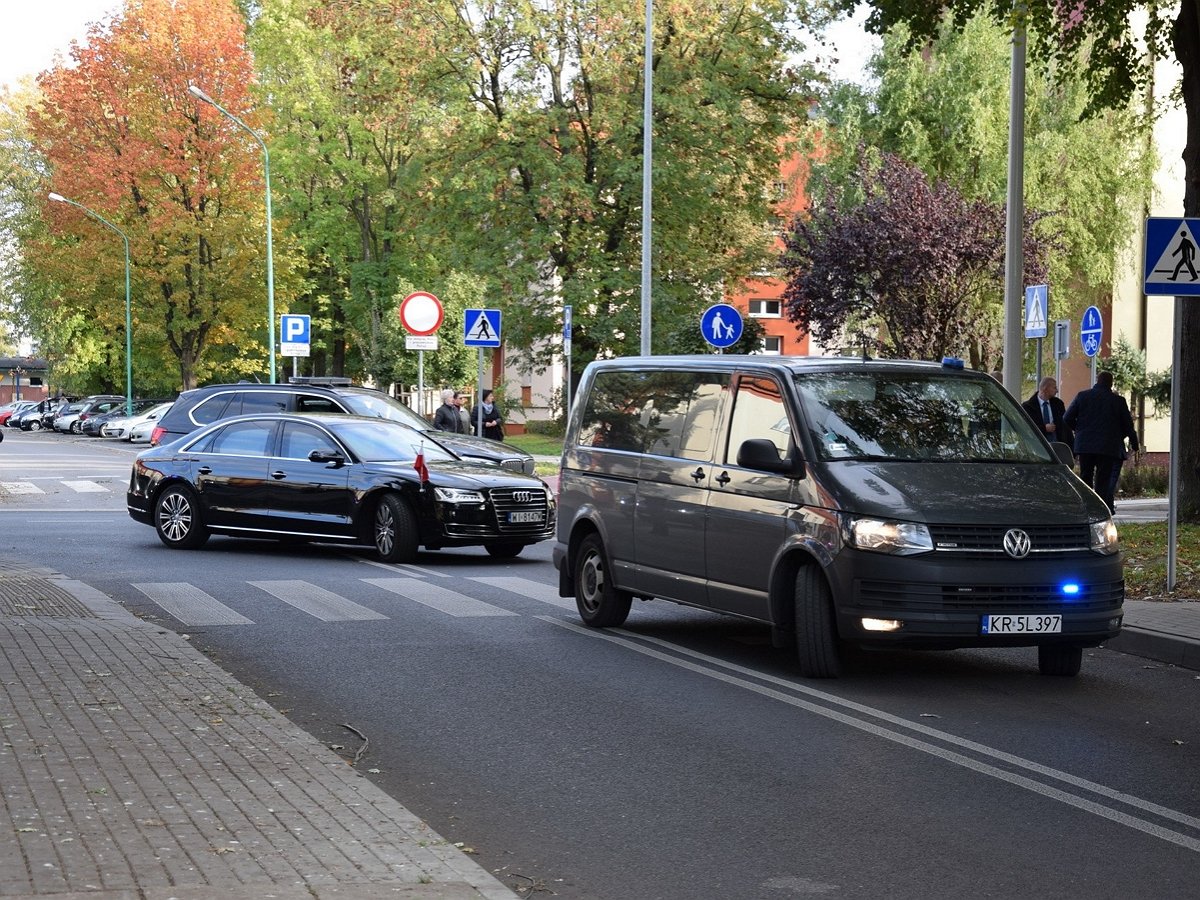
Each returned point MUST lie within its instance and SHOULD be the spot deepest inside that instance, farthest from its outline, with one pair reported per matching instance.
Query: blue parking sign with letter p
(294, 329)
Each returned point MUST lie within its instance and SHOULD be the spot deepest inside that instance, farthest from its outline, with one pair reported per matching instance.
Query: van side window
(758, 412)
(613, 416)
(683, 413)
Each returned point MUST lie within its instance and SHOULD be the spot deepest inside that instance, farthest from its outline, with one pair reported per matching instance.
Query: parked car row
(98, 415)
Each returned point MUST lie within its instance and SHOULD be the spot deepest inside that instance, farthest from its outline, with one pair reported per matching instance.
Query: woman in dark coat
(493, 422)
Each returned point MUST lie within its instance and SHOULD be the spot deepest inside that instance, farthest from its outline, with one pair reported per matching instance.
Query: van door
(680, 423)
(748, 510)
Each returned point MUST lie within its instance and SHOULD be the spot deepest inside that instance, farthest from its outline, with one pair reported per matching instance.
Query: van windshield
(922, 417)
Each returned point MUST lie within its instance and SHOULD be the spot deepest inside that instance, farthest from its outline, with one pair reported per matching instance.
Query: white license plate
(1021, 625)
(528, 516)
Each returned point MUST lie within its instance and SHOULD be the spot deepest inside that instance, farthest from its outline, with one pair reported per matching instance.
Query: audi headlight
(881, 536)
(457, 495)
(1104, 537)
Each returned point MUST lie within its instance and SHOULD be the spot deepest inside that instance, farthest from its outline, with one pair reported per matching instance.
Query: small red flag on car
(419, 464)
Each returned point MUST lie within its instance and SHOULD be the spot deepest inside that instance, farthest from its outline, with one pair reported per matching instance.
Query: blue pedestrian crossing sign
(721, 325)
(1035, 310)
(1172, 263)
(481, 328)
(1091, 331)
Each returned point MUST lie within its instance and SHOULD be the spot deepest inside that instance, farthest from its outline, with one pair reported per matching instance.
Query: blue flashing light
(952, 362)
(1071, 588)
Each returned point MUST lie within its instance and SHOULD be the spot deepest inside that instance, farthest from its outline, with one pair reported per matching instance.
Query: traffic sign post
(1062, 346)
(421, 314)
(721, 325)
(567, 357)
(295, 338)
(1036, 307)
(481, 328)
(1091, 335)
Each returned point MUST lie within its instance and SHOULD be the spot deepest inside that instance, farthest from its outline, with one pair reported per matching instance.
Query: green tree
(1105, 42)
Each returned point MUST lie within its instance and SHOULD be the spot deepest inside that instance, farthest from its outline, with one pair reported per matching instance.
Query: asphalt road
(679, 757)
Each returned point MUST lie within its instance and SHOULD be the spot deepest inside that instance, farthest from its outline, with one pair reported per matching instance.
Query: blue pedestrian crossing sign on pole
(1091, 331)
(481, 328)
(721, 325)
(1172, 263)
(1035, 310)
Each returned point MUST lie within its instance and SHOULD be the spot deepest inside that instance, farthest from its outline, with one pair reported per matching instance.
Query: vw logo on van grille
(527, 496)
(1016, 543)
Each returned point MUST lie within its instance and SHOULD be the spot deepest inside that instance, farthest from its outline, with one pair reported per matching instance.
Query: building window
(762, 308)
(772, 345)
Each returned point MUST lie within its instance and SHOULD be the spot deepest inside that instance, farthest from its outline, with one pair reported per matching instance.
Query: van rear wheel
(817, 644)
(1060, 659)
(600, 603)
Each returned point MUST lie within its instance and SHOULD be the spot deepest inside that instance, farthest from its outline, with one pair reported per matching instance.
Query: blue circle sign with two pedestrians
(1091, 331)
(721, 325)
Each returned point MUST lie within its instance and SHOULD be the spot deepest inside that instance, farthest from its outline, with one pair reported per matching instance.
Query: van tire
(600, 603)
(817, 645)
(1063, 660)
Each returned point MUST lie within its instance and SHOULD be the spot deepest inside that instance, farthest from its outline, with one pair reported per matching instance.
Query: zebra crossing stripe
(190, 605)
(524, 587)
(316, 601)
(86, 487)
(20, 487)
(450, 602)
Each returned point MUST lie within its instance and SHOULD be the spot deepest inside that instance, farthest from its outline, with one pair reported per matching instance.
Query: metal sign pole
(421, 382)
(479, 394)
(1038, 376)
(1173, 474)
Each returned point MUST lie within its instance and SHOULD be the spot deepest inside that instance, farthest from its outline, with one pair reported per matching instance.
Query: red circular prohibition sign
(421, 313)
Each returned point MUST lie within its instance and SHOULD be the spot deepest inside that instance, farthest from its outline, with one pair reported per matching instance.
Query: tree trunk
(1186, 418)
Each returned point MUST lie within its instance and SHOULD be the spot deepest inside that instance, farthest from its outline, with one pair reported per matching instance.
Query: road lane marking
(317, 602)
(525, 587)
(914, 743)
(190, 605)
(20, 487)
(450, 602)
(86, 487)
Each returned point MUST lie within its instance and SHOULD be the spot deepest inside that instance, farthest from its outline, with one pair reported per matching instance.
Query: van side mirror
(761, 454)
(1064, 453)
(334, 459)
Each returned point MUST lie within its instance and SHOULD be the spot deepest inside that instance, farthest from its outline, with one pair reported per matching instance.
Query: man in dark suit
(1047, 411)
(1101, 422)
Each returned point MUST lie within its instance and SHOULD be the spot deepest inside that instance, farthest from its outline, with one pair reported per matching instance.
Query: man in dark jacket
(1047, 411)
(1101, 422)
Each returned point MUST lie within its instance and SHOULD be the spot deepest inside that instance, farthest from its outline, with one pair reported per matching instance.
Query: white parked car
(140, 431)
(123, 427)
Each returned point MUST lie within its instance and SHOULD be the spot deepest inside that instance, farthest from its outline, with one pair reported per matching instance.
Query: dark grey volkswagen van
(841, 501)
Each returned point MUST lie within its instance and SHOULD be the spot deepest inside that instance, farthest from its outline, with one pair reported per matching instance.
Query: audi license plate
(532, 515)
(1021, 625)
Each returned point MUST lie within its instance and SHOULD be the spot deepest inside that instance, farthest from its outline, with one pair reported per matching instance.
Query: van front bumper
(942, 601)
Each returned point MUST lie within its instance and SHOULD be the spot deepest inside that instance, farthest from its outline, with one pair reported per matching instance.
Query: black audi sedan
(335, 478)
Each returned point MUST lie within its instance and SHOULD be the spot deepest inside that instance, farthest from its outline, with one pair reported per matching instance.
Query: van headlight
(882, 536)
(1104, 537)
(457, 495)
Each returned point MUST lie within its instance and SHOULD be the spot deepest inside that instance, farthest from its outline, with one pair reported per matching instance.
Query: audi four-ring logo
(1016, 543)
(527, 496)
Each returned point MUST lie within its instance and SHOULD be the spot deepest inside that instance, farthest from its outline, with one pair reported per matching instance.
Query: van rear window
(934, 417)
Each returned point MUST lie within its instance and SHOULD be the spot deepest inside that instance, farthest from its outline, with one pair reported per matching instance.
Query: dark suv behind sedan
(202, 406)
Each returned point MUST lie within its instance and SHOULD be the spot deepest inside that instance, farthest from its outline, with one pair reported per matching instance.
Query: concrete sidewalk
(132, 768)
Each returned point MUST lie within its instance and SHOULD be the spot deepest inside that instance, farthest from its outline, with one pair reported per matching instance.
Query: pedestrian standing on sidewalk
(493, 422)
(1047, 412)
(445, 417)
(1101, 422)
(464, 420)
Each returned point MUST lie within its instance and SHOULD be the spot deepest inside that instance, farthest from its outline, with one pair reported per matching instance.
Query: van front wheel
(599, 602)
(816, 631)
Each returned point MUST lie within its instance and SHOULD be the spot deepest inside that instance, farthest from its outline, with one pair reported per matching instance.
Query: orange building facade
(761, 297)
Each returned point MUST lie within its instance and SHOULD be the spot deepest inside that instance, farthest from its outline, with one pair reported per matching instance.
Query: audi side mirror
(333, 459)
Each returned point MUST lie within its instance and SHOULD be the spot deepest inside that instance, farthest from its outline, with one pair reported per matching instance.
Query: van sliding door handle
(723, 479)
(698, 474)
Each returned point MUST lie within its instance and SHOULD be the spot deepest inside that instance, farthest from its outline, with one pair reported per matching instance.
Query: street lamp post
(199, 94)
(59, 198)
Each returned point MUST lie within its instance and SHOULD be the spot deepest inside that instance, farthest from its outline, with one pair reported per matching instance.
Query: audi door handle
(698, 474)
(723, 479)
(204, 470)
(277, 475)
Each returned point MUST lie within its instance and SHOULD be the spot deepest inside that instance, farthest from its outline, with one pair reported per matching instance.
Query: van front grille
(989, 539)
(989, 597)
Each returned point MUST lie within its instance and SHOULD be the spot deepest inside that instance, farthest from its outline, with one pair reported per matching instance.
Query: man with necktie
(1047, 411)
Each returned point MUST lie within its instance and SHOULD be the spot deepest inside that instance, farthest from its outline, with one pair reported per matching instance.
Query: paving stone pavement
(133, 767)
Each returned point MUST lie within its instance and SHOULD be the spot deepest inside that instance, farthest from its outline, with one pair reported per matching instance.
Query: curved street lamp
(200, 95)
(59, 198)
